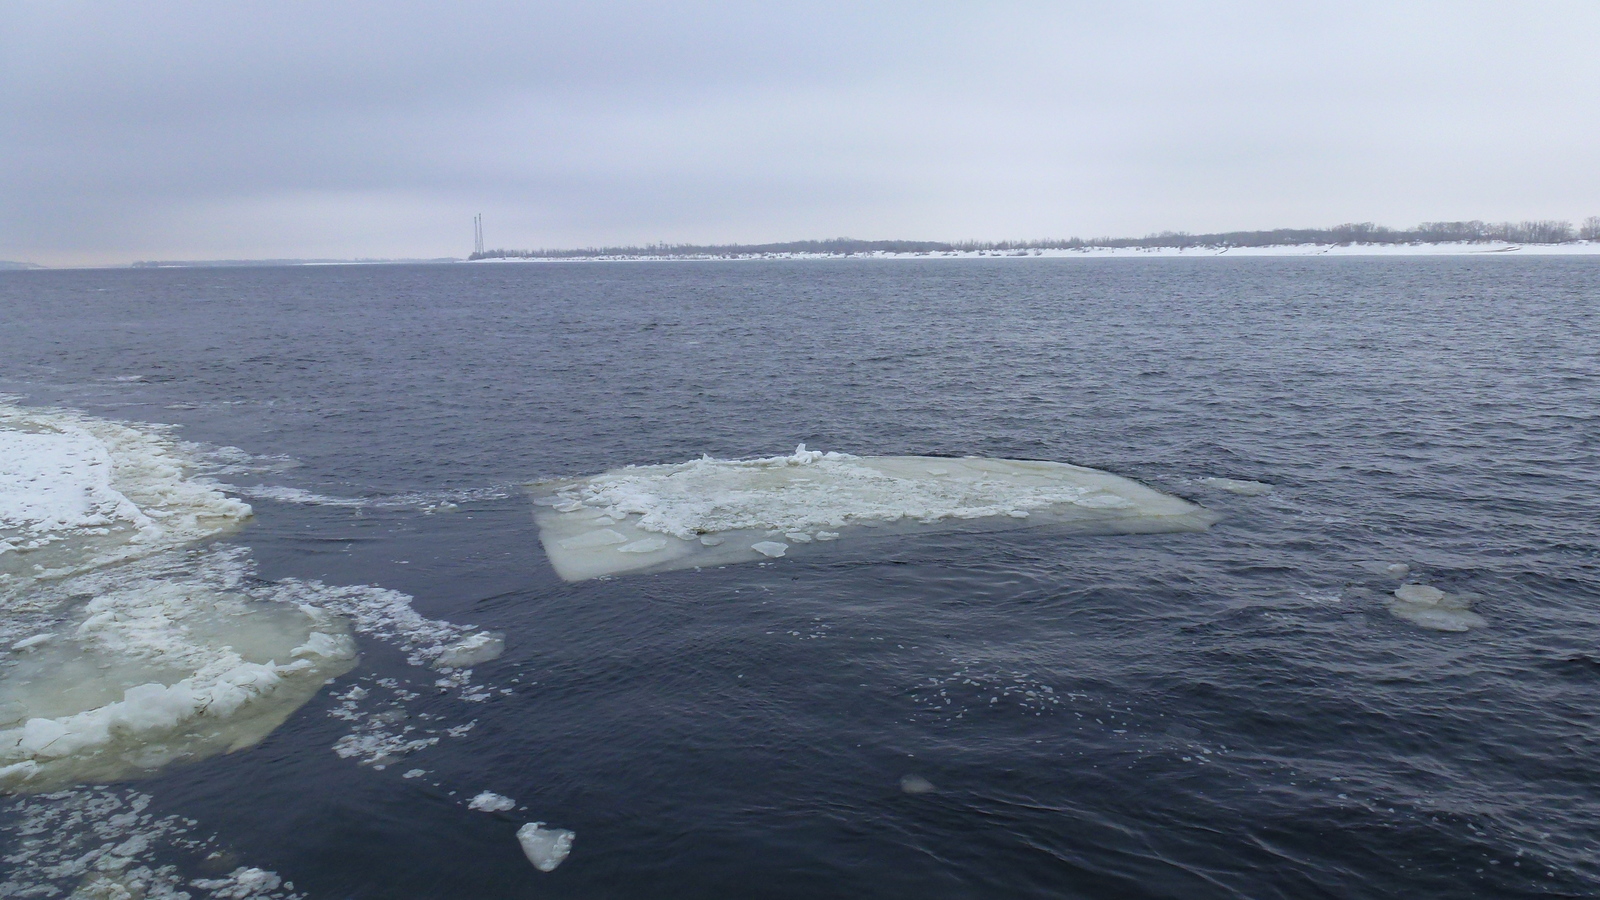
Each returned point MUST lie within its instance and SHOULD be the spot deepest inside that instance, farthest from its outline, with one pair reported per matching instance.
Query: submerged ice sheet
(1431, 608)
(1238, 486)
(716, 512)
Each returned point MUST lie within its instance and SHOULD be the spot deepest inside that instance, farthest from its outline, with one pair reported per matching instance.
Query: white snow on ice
(489, 801)
(716, 512)
(78, 492)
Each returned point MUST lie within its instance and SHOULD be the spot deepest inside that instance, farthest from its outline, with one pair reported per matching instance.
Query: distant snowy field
(1487, 248)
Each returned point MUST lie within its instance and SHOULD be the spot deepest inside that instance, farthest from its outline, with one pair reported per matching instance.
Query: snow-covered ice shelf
(717, 512)
(78, 492)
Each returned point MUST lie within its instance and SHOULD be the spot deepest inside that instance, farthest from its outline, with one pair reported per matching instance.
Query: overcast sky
(163, 130)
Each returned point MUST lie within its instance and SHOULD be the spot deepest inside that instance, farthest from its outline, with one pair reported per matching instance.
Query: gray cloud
(287, 129)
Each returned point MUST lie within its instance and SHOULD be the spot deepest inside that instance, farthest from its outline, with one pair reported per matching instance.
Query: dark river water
(1234, 713)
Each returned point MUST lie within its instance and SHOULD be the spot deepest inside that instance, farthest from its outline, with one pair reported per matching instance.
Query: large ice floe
(120, 650)
(180, 656)
(717, 511)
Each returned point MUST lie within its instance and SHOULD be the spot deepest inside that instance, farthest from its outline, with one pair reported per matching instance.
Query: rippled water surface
(1234, 713)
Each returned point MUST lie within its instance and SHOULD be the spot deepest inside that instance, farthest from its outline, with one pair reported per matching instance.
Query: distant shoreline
(1476, 248)
(855, 250)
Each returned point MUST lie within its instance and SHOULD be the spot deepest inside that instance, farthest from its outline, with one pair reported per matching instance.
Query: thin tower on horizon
(477, 234)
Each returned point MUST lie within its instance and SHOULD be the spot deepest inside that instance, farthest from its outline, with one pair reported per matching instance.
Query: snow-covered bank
(1486, 248)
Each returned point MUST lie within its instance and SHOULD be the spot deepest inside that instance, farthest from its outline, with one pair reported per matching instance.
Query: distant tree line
(1530, 232)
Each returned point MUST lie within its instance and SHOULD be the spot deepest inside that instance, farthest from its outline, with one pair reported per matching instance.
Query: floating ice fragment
(243, 883)
(472, 650)
(545, 847)
(1429, 607)
(916, 784)
(771, 549)
(713, 512)
(1387, 569)
(1237, 486)
(489, 801)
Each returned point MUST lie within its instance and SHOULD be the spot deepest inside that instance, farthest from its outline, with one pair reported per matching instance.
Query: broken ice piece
(771, 549)
(916, 784)
(545, 847)
(489, 801)
(472, 650)
(1432, 608)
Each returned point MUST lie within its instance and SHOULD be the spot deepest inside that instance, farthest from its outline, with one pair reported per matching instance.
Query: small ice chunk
(1238, 486)
(1397, 570)
(771, 549)
(472, 650)
(645, 545)
(799, 537)
(242, 883)
(1431, 608)
(489, 801)
(34, 641)
(414, 773)
(916, 784)
(594, 540)
(545, 847)
(827, 535)
(710, 540)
